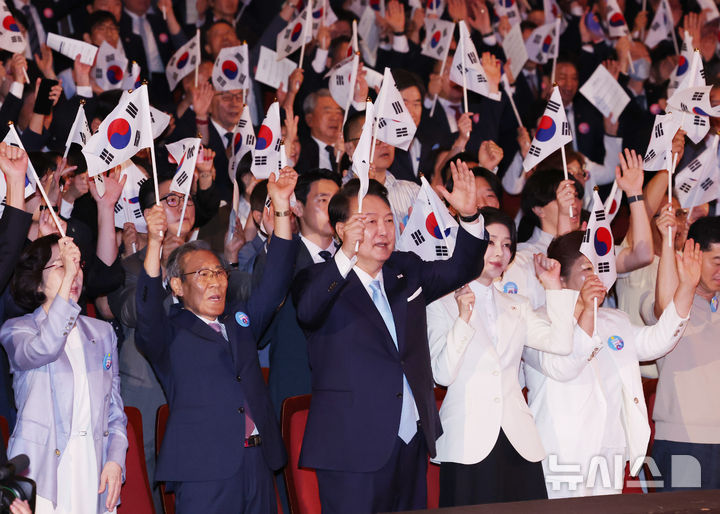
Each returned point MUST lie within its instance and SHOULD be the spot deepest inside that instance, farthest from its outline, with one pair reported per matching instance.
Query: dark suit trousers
(503, 476)
(401, 484)
(250, 490)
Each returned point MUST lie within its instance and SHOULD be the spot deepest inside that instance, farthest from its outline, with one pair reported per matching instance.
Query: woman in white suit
(490, 450)
(70, 421)
(589, 406)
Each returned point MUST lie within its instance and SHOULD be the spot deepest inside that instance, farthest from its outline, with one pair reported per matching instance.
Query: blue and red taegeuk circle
(435, 40)
(546, 129)
(603, 241)
(114, 74)
(183, 60)
(229, 69)
(10, 24)
(296, 31)
(119, 133)
(264, 138)
(617, 19)
(433, 228)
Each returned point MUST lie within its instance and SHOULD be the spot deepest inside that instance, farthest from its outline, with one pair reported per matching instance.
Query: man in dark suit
(222, 439)
(373, 418)
(324, 118)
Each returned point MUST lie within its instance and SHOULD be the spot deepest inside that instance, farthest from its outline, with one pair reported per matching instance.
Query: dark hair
(174, 268)
(488, 175)
(306, 180)
(706, 231)
(466, 157)
(28, 276)
(492, 216)
(98, 17)
(146, 195)
(539, 190)
(566, 250)
(42, 162)
(405, 79)
(351, 123)
(204, 32)
(339, 207)
(258, 196)
(243, 168)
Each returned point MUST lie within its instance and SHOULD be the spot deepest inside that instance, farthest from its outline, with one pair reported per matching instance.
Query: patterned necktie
(408, 421)
(32, 34)
(215, 325)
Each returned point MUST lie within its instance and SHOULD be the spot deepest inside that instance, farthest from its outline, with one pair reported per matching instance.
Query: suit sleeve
(655, 341)
(122, 300)
(556, 334)
(448, 340)
(14, 226)
(314, 292)
(30, 345)
(274, 285)
(117, 443)
(152, 334)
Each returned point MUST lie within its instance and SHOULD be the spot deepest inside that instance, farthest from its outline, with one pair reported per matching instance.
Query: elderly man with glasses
(222, 439)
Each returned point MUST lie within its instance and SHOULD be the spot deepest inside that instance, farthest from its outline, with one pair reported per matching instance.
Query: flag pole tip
(368, 99)
(596, 188)
(554, 84)
(130, 91)
(10, 123)
(82, 101)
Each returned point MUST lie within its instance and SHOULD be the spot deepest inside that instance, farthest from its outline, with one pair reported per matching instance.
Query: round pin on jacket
(714, 303)
(242, 319)
(107, 361)
(616, 343)
(510, 288)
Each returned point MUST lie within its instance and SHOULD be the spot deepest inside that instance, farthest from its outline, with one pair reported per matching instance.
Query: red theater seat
(135, 495)
(168, 499)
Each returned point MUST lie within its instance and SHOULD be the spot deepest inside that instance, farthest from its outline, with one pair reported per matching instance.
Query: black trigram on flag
(132, 110)
(655, 26)
(684, 107)
(182, 178)
(707, 183)
(250, 140)
(98, 73)
(241, 123)
(441, 251)
(600, 215)
(417, 237)
(702, 73)
(603, 267)
(382, 123)
(241, 78)
(401, 132)
(106, 156)
(481, 78)
(537, 39)
(260, 160)
(650, 155)
(15, 39)
(339, 80)
(699, 121)
(694, 165)
(697, 96)
(397, 107)
(109, 58)
(136, 142)
(586, 237)
(460, 68)
(534, 150)
(472, 57)
(221, 81)
(659, 132)
(685, 187)
(118, 208)
(137, 213)
(83, 138)
(191, 152)
(565, 128)
(238, 57)
(193, 60)
(553, 106)
(175, 75)
(441, 50)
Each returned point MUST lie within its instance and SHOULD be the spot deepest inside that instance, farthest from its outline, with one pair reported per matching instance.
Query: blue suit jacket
(208, 381)
(356, 369)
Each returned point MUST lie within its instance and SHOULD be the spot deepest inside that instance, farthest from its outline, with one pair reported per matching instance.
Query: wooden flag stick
(44, 195)
(306, 25)
(565, 171)
(671, 171)
(506, 86)
(464, 80)
(197, 67)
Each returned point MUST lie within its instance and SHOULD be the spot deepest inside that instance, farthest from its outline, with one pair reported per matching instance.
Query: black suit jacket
(589, 129)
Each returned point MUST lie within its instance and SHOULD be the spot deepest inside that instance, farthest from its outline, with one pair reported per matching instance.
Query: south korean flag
(598, 244)
(11, 39)
(322, 14)
(665, 128)
(438, 38)
(395, 124)
(431, 231)
(615, 20)
(553, 132)
(110, 67)
(661, 27)
(541, 44)
(243, 141)
(469, 65)
(80, 132)
(508, 8)
(184, 61)
(125, 131)
(297, 33)
(266, 157)
(341, 80)
(133, 77)
(698, 182)
(127, 208)
(231, 70)
(12, 138)
(680, 73)
(183, 178)
(693, 106)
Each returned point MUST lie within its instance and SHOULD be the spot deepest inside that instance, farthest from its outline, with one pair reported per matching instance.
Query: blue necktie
(408, 420)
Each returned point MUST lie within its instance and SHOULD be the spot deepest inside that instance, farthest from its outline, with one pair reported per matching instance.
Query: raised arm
(666, 281)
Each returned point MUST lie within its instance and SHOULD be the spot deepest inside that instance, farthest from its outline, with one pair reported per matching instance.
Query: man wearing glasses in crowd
(222, 438)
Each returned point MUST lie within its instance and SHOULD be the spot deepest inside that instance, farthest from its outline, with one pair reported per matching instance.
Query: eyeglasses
(204, 275)
(229, 97)
(174, 199)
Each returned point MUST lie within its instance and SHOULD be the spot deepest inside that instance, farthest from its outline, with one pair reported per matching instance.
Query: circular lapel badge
(107, 361)
(584, 128)
(714, 303)
(510, 288)
(616, 343)
(242, 319)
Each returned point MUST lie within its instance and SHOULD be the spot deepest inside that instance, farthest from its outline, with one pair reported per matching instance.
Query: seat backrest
(301, 484)
(433, 471)
(135, 494)
(168, 499)
(5, 429)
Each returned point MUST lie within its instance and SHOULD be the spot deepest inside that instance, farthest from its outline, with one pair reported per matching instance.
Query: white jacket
(565, 393)
(483, 390)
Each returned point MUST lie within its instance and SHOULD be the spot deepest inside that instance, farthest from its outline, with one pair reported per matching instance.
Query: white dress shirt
(323, 155)
(141, 27)
(315, 249)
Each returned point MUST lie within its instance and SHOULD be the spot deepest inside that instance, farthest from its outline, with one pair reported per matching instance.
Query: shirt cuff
(343, 263)
(359, 106)
(495, 96)
(400, 44)
(427, 102)
(16, 89)
(320, 60)
(475, 229)
(490, 40)
(84, 91)
(66, 209)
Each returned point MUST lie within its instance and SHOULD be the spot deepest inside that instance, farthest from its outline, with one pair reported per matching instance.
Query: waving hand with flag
(553, 132)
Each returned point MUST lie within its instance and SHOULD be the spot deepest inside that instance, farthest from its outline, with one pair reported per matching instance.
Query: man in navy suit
(222, 439)
(373, 418)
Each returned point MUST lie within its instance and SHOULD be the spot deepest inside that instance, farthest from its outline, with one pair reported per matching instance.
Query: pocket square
(415, 294)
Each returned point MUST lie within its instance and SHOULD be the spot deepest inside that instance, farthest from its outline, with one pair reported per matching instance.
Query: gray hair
(174, 265)
(310, 101)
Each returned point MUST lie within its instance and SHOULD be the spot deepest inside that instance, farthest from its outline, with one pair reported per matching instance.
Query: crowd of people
(120, 290)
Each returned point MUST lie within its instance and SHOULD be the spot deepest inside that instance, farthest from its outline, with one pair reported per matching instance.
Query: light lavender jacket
(43, 384)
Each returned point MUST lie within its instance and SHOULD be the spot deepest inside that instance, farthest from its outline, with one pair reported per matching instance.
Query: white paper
(604, 92)
(369, 34)
(373, 78)
(514, 48)
(272, 72)
(191, 14)
(72, 47)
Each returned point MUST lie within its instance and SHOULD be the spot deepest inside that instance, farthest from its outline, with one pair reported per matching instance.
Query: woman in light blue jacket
(71, 422)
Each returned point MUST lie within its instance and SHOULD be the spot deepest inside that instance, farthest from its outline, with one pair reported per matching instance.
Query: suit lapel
(191, 322)
(357, 293)
(507, 324)
(394, 289)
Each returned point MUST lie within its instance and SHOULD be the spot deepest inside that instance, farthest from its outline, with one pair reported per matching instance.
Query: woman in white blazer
(490, 449)
(589, 406)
